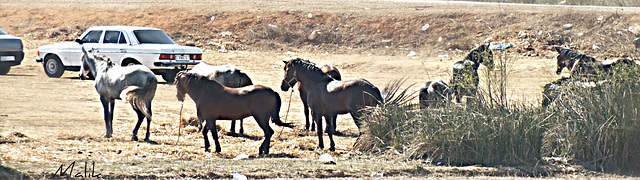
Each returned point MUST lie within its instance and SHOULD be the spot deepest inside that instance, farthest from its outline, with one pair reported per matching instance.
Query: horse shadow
(351, 134)
(254, 138)
(280, 155)
(347, 134)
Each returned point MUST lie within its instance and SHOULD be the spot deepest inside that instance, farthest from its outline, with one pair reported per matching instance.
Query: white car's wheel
(53, 66)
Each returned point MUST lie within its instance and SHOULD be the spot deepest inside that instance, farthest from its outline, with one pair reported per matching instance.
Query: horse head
(482, 55)
(289, 79)
(180, 86)
(564, 59)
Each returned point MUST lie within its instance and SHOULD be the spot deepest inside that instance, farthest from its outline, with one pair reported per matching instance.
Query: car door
(114, 45)
(91, 41)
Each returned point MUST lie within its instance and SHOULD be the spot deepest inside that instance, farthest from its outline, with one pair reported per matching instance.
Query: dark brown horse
(227, 75)
(465, 78)
(215, 101)
(581, 65)
(329, 70)
(328, 97)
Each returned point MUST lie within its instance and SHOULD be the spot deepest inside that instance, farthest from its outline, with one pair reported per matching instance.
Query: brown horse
(215, 101)
(582, 65)
(329, 70)
(329, 97)
(227, 75)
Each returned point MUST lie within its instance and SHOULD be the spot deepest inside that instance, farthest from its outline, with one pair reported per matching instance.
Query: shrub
(598, 126)
(485, 131)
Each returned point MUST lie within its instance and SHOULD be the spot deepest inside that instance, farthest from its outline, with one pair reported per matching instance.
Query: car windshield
(152, 37)
(2, 32)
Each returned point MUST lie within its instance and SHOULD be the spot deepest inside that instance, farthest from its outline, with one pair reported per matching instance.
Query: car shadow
(18, 75)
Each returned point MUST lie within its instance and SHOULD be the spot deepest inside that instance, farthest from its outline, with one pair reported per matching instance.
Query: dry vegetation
(354, 33)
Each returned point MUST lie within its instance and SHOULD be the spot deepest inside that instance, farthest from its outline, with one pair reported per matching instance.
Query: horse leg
(146, 137)
(308, 123)
(232, 130)
(317, 117)
(107, 105)
(263, 122)
(134, 137)
(211, 125)
(333, 125)
(200, 126)
(205, 131)
(241, 126)
(331, 121)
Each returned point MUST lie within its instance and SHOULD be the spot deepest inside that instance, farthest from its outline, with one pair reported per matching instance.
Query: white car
(124, 45)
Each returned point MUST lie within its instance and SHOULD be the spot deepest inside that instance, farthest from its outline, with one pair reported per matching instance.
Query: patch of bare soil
(49, 122)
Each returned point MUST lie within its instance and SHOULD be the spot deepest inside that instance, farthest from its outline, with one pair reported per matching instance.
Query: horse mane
(306, 64)
(194, 79)
(104, 58)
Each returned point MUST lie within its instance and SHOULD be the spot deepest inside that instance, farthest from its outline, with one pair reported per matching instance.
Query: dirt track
(62, 117)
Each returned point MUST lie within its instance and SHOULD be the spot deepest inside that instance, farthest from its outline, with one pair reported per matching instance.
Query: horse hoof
(207, 150)
(107, 136)
(332, 149)
(134, 138)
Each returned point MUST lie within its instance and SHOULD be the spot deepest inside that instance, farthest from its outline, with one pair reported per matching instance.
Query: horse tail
(275, 116)
(140, 98)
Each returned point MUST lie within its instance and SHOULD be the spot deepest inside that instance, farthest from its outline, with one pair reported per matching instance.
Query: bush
(485, 131)
(593, 124)
(598, 126)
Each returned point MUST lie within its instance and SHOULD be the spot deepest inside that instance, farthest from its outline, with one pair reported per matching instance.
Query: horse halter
(293, 79)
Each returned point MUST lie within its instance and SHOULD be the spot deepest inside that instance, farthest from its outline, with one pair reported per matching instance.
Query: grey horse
(135, 84)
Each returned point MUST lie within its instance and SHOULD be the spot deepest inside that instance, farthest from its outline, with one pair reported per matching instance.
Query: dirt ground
(46, 122)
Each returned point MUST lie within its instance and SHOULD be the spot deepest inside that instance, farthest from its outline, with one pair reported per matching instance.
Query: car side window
(122, 39)
(111, 37)
(92, 37)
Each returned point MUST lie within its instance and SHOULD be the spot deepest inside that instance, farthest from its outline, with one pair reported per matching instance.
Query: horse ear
(285, 62)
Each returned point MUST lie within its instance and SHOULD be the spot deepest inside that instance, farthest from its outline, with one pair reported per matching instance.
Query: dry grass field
(49, 122)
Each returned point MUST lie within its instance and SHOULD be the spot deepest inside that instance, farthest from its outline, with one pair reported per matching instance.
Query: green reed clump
(598, 126)
(486, 130)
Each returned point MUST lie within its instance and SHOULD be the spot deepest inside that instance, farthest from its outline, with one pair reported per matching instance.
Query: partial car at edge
(11, 51)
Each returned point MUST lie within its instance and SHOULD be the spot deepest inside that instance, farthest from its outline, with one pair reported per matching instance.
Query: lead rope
(286, 115)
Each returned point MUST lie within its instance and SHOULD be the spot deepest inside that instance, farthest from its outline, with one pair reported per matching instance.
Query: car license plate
(182, 57)
(10, 58)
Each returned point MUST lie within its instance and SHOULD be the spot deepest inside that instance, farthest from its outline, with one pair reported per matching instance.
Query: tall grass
(599, 127)
(485, 131)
